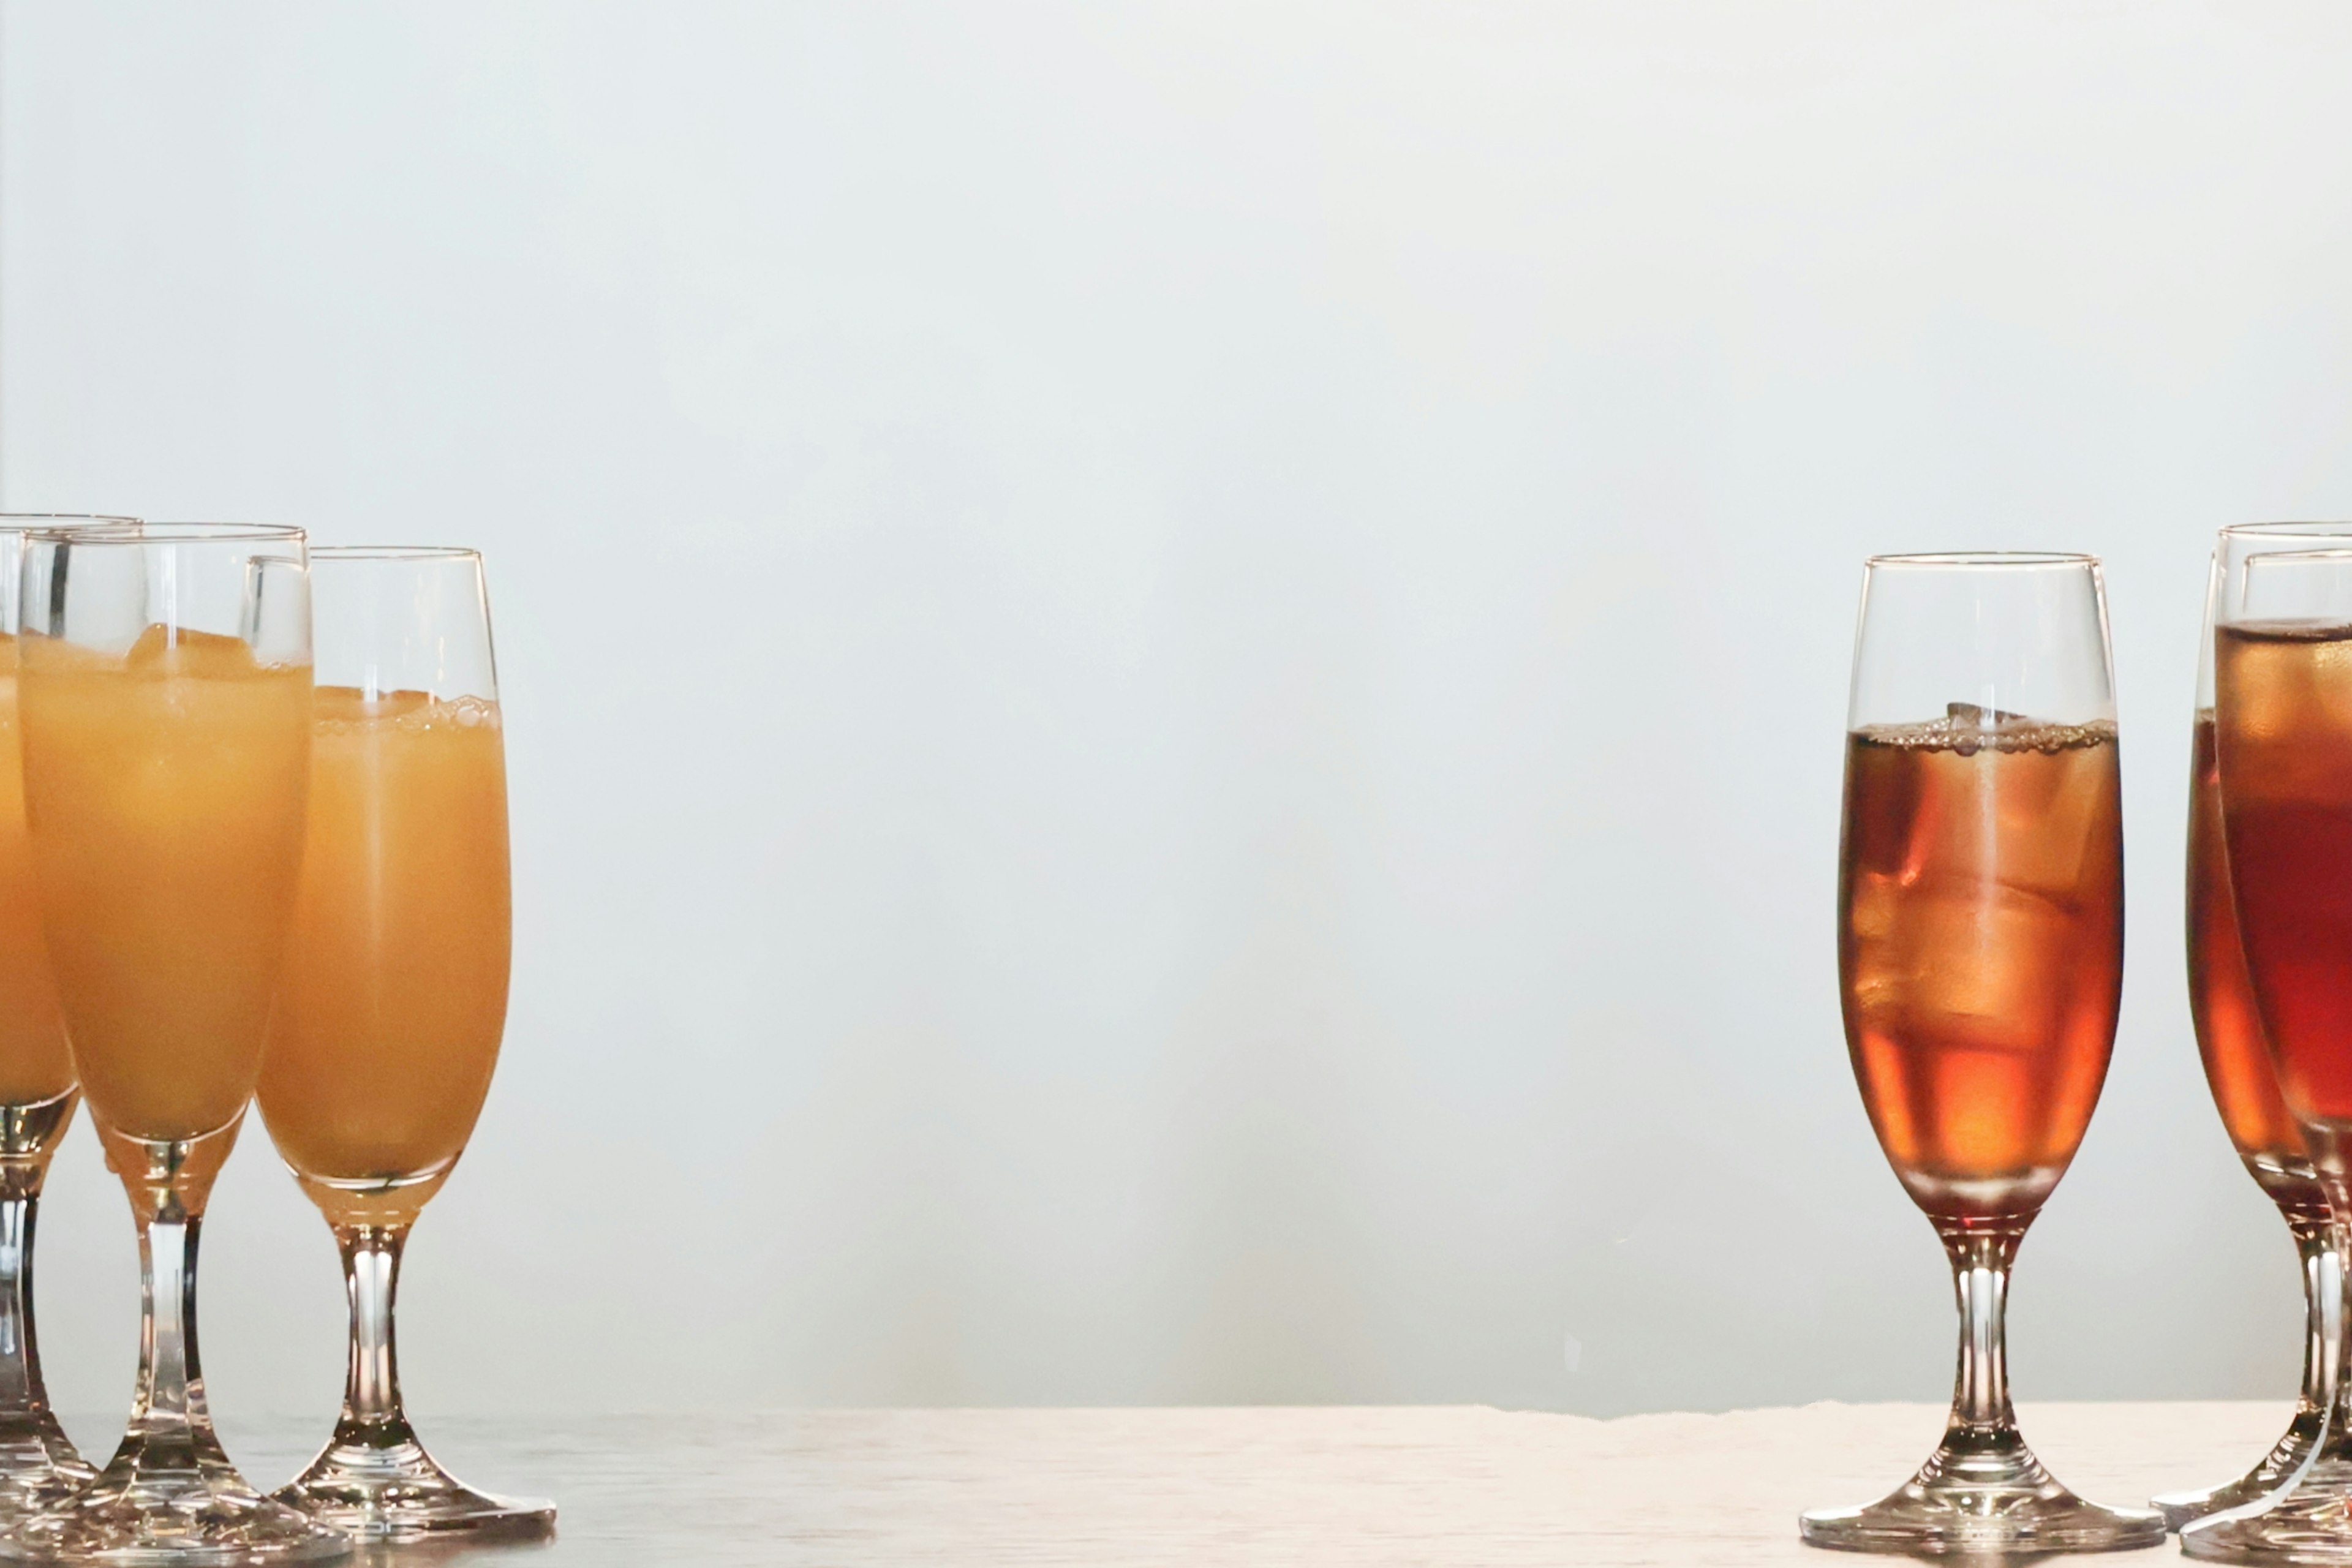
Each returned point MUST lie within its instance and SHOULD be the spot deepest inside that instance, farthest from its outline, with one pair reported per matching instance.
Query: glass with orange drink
(394, 993)
(37, 1093)
(163, 697)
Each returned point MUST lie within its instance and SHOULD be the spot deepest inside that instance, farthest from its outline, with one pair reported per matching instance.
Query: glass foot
(2279, 1469)
(2311, 1525)
(39, 1467)
(184, 1520)
(398, 1492)
(1999, 1500)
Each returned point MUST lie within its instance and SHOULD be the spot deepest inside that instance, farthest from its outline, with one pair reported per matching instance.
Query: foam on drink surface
(1968, 729)
(347, 711)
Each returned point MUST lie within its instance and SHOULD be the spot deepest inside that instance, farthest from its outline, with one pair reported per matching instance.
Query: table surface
(1457, 1485)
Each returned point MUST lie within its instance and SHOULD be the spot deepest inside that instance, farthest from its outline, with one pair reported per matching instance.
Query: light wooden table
(1454, 1486)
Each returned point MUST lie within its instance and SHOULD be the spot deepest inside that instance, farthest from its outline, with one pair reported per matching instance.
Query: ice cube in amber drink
(1980, 950)
(395, 991)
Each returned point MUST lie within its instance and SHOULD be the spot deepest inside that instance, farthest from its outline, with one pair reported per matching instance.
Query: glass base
(2311, 1525)
(398, 1492)
(2279, 1469)
(39, 1466)
(1995, 1499)
(137, 1514)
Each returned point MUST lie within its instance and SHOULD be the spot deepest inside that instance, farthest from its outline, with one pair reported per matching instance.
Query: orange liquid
(396, 989)
(2284, 733)
(164, 792)
(34, 1064)
(1980, 949)
(2221, 993)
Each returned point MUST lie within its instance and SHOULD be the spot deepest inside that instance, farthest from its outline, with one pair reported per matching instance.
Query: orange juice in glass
(35, 1067)
(164, 702)
(395, 986)
(166, 791)
(394, 993)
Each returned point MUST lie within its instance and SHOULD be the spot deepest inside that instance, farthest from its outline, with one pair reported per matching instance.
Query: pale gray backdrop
(1175, 672)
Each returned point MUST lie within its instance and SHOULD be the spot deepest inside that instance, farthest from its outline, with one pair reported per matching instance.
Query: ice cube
(181, 651)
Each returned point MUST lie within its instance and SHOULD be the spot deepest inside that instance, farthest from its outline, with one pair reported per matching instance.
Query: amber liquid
(34, 1064)
(164, 792)
(1980, 948)
(2230, 1038)
(394, 995)
(2284, 702)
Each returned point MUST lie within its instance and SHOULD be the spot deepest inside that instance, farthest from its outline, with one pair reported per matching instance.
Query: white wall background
(1175, 672)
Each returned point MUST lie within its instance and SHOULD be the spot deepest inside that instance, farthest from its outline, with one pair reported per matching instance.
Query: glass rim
(62, 521)
(145, 532)
(2308, 530)
(395, 553)
(1984, 560)
(2299, 557)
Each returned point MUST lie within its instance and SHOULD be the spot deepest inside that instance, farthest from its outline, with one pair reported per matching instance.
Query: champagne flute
(1980, 956)
(2239, 1068)
(2283, 738)
(164, 690)
(37, 1093)
(394, 995)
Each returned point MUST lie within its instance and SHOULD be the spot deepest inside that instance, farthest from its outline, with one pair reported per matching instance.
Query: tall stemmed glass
(38, 1094)
(2239, 1068)
(2283, 733)
(164, 690)
(1981, 953)
(394, 997)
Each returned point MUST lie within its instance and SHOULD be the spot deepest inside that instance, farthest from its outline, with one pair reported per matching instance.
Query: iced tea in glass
(1981, 963)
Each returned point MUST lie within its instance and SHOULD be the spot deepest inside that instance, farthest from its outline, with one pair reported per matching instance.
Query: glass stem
(2329, 1321)
(2323, 1298)
(1980, 1263)
(372, 1412)
(20, 1357)
(168, 1417)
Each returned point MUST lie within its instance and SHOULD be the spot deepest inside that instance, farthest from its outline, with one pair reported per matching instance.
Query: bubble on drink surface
(342, 711)
(462, 713)
(1966, 729)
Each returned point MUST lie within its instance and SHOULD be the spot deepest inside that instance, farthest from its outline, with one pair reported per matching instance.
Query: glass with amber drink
(163, 700)
(1981, 963)
(2238, 1065)
(394, 995)
(37, 1093)
(2282, 745)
